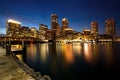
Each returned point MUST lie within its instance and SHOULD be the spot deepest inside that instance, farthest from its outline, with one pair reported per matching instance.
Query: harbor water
(74, 61)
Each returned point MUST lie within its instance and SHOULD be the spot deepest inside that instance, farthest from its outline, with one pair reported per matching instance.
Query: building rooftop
(13, 21)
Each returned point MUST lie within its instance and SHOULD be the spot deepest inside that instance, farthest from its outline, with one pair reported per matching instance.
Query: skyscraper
(110, 27)
(54, 21)
(25, 31)
(42, 31)
(55, 26)
(43, 27)
(11, 26)
(64, 23)
(34, 32)
(94, 28)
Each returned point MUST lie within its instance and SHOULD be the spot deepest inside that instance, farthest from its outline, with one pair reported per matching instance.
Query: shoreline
(9, 69)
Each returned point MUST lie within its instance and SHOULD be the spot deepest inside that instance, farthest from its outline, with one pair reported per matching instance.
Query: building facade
(110, 27)
(25, 31)
(42, 31)
(64, 23)
(55, 27)
(54, 22)
(34, 32)
(94, 28)
(87, 35)
(12, 27)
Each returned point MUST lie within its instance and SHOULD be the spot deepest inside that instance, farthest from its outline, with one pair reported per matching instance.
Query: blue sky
(80, 13)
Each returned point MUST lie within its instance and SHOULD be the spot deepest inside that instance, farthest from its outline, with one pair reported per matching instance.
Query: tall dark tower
(64, 23)
(55, 26)
(94, 28)
(110, 27)
(54, 21)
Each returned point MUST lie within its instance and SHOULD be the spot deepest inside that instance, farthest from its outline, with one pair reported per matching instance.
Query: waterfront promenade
(9, 70)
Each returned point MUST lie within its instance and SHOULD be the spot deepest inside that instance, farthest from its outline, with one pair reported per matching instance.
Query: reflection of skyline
(75, 60)
(32, 51)
(43, 52)
(77, 49)
(67, 50)
(88, 52)
(96, 53)
(108, 54)
(67, 53)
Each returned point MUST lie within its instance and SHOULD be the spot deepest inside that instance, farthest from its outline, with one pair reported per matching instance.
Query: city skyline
(80, 14)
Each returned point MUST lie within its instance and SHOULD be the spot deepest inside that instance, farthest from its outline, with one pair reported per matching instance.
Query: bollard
(24, 53)
(7, 49)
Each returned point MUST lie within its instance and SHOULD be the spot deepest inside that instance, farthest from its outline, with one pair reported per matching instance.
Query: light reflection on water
(70, 60)
(88, 52)
(43, 52)
(32, 51)
(67, 51)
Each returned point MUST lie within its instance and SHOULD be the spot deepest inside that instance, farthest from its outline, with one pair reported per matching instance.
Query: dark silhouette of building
(55, 26)
(110, 27)
(94, 28)
(54, 22)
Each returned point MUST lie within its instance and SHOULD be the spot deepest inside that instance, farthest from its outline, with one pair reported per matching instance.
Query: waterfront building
(12, 27)
(55, 27)
(66, 31)
(49, 34)
(64, 23)
(25, 31)
(69, 33)
(54, 22)
(77, 36)
(42, 31)
(86, 32)
(110, 27)
(43, 27)
(94, 28)
(104, 37)
(34, 32)
(87, 35)
(17, 33)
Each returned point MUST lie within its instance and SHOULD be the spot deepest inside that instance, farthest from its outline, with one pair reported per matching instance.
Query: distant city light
(13, 21)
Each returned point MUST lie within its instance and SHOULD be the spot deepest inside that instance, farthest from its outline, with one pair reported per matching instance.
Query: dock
(9, 70)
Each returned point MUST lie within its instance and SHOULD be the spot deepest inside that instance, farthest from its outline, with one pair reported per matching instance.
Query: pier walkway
(9, 70)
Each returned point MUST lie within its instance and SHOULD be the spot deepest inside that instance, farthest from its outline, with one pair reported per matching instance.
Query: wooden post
(24, 53)
(1, 43)
(22, 43)
(9, 41)
(8, 49)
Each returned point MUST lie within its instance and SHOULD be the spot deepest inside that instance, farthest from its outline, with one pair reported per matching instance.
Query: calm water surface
(78, 61)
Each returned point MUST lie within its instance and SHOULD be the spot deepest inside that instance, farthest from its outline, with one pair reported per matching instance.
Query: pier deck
(9, 70)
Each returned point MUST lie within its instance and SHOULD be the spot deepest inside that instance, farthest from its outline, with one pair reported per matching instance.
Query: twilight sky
(80, 13)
